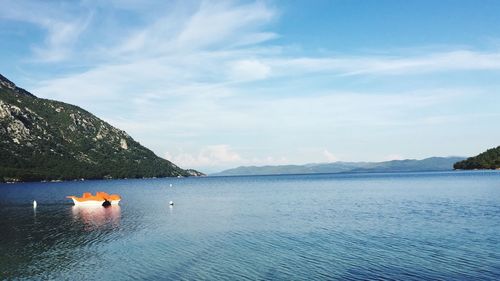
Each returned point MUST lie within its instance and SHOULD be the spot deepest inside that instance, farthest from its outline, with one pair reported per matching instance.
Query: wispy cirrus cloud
(198, 74)
(62, 30)
(207, 26)
(443, 61)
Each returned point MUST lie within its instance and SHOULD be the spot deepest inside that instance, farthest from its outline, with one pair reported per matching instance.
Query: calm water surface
(305, 227)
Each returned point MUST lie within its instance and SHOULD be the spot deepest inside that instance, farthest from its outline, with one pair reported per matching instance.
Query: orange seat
(100, 196)
(114, 197)
(101, 193)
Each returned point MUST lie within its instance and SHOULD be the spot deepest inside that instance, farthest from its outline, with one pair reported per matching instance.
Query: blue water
(412, 226)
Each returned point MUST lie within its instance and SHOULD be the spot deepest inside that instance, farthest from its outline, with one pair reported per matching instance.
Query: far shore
(249, 175)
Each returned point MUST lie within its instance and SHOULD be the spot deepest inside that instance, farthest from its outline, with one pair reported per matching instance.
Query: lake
(403, 226)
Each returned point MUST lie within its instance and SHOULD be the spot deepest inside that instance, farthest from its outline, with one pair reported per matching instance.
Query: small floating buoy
(34, 204)
(171, 203)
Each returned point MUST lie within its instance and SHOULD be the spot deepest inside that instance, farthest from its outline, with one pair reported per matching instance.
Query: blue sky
(218, 84)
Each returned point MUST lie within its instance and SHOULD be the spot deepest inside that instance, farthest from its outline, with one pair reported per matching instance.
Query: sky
(212, 85)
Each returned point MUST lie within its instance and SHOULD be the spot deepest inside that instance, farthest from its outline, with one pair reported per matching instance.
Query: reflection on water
(413, 226)
(97, 216)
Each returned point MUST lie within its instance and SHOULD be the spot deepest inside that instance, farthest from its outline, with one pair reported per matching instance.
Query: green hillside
(490, 159)
(49, 140)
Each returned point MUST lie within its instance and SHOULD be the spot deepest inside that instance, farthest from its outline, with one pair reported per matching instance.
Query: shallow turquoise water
(304, 227)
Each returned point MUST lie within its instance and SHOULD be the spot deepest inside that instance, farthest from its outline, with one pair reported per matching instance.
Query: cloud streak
(454, 60)
(210, 79)
(62, 30)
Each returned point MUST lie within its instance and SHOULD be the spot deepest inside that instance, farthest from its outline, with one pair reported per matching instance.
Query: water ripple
(347, 227)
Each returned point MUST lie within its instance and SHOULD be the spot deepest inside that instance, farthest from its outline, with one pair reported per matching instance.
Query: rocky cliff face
(48, 140)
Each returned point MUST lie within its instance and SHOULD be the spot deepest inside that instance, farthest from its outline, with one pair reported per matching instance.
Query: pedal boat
(99, 199)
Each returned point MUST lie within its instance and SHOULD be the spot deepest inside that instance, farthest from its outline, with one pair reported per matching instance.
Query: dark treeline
(490, 159)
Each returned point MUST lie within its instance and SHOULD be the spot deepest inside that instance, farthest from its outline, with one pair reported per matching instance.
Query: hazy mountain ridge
(49, 140)
(408, 165)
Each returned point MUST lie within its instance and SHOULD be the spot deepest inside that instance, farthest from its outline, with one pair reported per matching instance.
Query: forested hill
(42, 139)
(490, 159)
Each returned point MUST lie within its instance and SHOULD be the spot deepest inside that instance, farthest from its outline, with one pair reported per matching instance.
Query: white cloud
(60, 40)
(181, 80)
(214, 158)
(453, 60)
(329, 156)
(245, 70)
(62, 29)
(391, 157)
(206, 27)
(209, 156)
(221, 22)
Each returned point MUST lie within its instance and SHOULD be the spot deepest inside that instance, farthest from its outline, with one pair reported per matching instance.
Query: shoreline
(262, 175)
(92, 179)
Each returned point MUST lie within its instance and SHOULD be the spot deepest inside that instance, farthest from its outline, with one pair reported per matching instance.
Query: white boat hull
(87, 203)
(93, 202)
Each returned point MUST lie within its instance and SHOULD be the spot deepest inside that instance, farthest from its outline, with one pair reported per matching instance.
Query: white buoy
(171, 203)
(34, 204)
(170, 185)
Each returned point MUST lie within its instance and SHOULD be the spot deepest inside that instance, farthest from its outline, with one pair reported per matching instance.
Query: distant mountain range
(409, 165)
(43, 139)
(490, 159)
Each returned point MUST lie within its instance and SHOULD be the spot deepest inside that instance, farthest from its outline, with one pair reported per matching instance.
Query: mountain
(490, 159)
(410, 165)
(49, 140)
